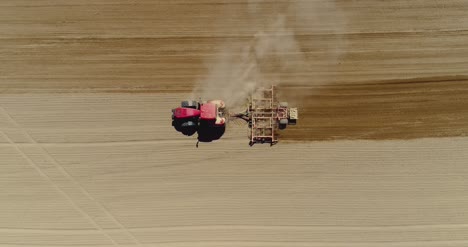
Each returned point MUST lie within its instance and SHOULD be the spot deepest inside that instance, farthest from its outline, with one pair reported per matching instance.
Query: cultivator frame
(266, 116)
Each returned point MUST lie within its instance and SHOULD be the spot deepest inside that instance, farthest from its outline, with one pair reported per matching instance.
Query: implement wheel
(283, 123)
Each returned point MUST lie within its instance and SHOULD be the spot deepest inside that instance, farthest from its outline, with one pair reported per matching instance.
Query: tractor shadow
(209, 133)
(188, 131)
(206, 133)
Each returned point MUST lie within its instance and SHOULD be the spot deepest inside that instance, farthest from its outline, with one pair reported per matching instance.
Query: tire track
(61, 191)
(69, 178)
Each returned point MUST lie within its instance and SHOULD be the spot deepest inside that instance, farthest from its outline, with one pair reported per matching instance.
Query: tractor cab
(213, 112)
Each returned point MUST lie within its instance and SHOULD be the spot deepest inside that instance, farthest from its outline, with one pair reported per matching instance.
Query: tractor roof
(208, 111)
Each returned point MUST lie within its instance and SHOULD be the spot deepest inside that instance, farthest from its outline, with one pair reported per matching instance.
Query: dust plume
(274, 53)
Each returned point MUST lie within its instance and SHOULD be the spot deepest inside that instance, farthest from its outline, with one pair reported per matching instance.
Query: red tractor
(265, 117)
(205, 118)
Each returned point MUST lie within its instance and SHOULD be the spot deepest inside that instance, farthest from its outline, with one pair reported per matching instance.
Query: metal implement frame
(263, 112)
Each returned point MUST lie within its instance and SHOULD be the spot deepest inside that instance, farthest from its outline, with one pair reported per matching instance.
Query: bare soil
(89, 156)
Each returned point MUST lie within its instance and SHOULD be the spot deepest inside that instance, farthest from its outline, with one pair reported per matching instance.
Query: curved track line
(57, 188)
(70, 178)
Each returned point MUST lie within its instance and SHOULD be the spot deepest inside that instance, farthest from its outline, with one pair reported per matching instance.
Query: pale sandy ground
(104, 169)
(88, 156)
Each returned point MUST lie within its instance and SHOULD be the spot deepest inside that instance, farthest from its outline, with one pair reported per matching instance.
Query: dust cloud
(273, 50)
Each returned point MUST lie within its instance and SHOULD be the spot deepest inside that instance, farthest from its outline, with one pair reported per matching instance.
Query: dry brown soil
(88, 156)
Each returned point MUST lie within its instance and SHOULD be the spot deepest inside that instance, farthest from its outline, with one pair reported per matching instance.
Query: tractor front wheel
(189, 104)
